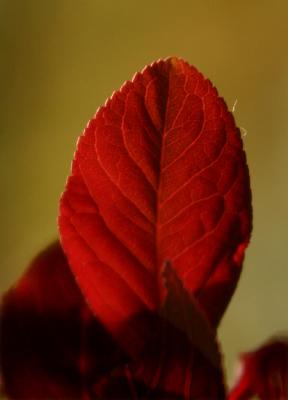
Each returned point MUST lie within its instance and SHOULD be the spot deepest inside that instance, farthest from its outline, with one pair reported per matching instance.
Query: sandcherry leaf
(159, 174)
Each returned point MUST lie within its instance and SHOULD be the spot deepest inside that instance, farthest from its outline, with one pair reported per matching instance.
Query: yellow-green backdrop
(61, 59)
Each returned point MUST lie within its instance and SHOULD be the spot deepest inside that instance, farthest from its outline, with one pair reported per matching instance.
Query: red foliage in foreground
(53, 347)
(154, 221)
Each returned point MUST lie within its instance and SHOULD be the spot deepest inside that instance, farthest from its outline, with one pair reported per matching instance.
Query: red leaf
(158, 174)
(51, 345)
(263, 373)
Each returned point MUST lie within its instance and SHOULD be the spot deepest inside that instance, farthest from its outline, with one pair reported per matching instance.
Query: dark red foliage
(263, 373)
(159, 174)
(53, 347)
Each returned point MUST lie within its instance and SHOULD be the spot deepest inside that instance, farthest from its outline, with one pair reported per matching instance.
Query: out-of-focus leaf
(52, 347)
(263, 373)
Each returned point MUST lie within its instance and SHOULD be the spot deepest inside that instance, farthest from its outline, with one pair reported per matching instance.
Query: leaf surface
(183, 312)
(159, 174)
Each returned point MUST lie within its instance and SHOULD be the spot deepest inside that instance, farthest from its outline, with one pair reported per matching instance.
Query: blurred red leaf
(51, 345)
(158, 174)
(263, 373)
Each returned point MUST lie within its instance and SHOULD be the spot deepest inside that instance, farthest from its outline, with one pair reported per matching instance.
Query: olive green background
(61, 59)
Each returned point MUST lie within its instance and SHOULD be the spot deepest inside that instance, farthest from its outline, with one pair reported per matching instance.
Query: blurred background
(61, 59)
